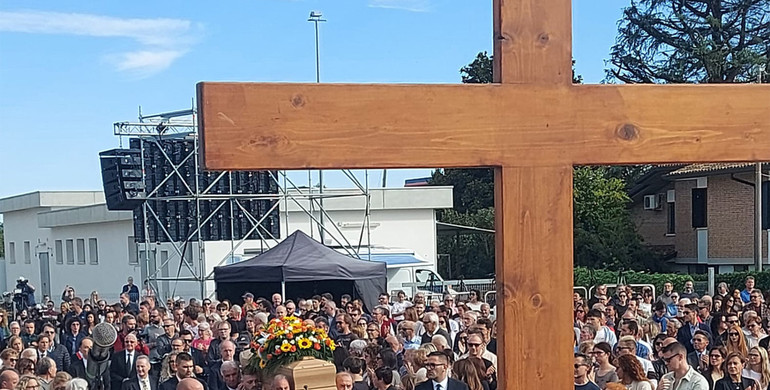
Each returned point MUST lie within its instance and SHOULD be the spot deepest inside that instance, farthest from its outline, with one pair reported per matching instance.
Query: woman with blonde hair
(168, 367)
(631, 373)
(28, 382)
(94, 297)
(736, 342)
(16, 343)
(757, 367)
(650, 329)
(465, 371)
(60, 380)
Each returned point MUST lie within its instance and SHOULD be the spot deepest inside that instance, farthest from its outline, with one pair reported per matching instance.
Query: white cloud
(145, 63)
(406, 5)
(161, 40)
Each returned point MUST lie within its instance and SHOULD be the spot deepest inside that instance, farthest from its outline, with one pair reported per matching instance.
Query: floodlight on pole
(315, 17)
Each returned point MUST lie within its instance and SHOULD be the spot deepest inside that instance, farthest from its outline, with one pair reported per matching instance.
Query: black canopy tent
(301, 267)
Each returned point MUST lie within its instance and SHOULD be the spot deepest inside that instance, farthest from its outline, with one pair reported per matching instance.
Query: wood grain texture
(533, 225)
(532, 41)
(299, 126)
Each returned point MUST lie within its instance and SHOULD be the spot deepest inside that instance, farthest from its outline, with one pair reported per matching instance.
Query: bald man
(189, 384)
(344, 381)
(9, 378)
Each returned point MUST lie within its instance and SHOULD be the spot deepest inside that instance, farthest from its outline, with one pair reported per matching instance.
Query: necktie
(144, 385)
(438, 386)
(128, 361)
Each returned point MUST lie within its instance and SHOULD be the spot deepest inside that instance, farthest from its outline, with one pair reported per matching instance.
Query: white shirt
(442, 383)
(144, 382)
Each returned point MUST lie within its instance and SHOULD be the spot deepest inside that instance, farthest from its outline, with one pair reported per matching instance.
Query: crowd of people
(400, 343)
(675, 341)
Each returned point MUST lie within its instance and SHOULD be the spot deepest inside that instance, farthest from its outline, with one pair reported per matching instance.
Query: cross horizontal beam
(300, 126)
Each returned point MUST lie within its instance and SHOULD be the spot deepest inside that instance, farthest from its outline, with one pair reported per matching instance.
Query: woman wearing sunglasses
(735, 341)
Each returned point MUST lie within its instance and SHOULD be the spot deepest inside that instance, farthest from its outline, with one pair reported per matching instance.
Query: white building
(70, 238)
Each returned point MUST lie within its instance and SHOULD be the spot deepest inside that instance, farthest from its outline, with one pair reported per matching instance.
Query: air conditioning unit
(652, 202)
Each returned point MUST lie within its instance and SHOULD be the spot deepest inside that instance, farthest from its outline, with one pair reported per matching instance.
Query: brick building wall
(685, 240)
(652, 224)
(731, 218)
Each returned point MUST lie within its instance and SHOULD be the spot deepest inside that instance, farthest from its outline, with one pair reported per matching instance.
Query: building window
(133, 258)
(69, 245)
(81, 251)
(12, 252)
(93, 251)
(699, 208)
(740, 268)
(27, 253)
(59, 252)
(671, 218)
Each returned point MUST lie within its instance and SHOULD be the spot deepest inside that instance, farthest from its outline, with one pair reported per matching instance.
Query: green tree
(603, 237)
(691, 41)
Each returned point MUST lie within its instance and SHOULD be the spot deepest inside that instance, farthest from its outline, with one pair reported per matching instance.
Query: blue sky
(68, 70)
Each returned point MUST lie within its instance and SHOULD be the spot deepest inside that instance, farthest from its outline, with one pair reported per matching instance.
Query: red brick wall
(731, 218)
(651, 224)
(686, 245)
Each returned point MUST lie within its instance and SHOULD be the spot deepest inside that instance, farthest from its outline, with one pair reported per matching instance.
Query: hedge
(734, 280)
(582, 277)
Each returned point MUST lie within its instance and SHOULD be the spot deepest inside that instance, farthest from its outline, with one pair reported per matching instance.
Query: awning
(443, 228)
(397, 260)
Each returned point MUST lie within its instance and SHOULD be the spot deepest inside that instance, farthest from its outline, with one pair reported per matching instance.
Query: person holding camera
(68, 294)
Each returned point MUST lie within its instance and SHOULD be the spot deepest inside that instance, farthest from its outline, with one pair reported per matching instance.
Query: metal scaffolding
(182, 124)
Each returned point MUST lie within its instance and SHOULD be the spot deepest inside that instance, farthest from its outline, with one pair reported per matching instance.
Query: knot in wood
(298, 101)
(536, 300)
(543, 38)
(627, 132)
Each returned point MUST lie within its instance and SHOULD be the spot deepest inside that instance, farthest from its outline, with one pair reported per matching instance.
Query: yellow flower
(286, 347)
(262, 364)
(304, 343)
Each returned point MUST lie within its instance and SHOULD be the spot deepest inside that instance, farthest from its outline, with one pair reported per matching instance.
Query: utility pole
(315, 17)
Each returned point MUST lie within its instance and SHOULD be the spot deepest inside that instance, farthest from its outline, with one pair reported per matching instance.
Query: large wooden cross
(532, 126)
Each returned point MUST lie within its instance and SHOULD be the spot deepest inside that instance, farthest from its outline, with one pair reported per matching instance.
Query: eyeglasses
(733, 334)
(754, 355)
(187, 340)
(177, 345)
(715, 356)
(732, 322)
(371, 330)
(668, 359)
(578, 365)
(431, 366)
(474, 344)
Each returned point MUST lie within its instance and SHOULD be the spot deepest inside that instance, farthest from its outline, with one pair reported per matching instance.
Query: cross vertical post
(533, 223)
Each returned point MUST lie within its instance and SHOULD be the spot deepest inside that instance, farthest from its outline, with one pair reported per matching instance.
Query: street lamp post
(315, 17)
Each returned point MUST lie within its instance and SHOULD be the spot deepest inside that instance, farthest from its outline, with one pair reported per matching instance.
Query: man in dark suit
(80, 359)
(123, 363)
(686, 333)
(216, 380)
(184, 370)
(58, 352)
(698, 359)
(437, 366)
(142, 380)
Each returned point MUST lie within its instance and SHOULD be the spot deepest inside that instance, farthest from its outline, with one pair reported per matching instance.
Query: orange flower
(317, 346)
(269, 356)
(289, 335)
(294, 348)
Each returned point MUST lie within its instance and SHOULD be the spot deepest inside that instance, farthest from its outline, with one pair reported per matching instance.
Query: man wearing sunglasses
(690, 325)
(582, 369)
(680, 376)
(437, 371)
